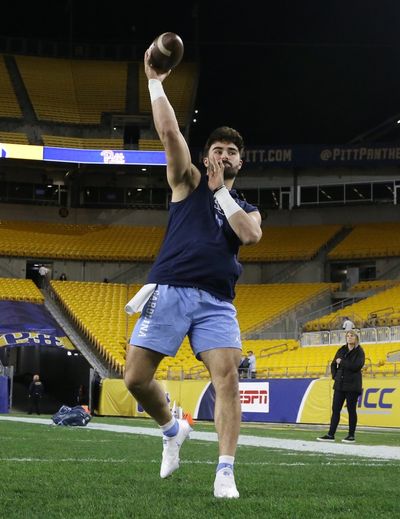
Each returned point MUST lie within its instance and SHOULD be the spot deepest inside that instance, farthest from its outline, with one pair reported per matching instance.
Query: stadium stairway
(29, 123)
(287, 325)
(88, 351)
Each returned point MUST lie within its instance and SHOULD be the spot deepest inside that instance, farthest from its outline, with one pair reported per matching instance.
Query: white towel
(138, 301)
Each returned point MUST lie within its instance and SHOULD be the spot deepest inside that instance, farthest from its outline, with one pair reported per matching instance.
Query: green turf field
(56, 472)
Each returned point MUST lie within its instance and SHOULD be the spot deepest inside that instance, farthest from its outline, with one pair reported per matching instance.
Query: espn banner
(277, 400)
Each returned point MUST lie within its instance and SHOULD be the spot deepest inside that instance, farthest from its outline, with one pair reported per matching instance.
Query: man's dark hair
(224, 134)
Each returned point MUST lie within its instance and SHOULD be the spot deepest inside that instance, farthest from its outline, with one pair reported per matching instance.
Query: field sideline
(110, 469)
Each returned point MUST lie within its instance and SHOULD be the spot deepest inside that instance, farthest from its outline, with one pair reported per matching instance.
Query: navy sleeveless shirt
(200, 248)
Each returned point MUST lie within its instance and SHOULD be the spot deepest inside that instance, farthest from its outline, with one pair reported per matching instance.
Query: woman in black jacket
(35, 394)
(346, 372)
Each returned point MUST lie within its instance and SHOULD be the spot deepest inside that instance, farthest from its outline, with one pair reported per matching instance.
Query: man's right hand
(151, 72)
(215, 172)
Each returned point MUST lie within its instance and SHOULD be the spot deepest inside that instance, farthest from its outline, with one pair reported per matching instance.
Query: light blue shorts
(174, 312)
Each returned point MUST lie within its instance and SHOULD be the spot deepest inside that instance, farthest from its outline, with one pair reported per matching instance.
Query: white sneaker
(170, 455)
(224, 484)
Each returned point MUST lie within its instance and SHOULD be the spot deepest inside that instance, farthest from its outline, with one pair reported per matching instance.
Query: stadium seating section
(19, 290)
(259, 305)
(380, 284)
(75, 91)
(14, 138)
(315, 361)
(75, 142)
(179, 88)
(80, 92)
(150, 144)
(98, 311)
(381, 309)
(369, 241)
(127, 243)
(290, 243)
(69, 241)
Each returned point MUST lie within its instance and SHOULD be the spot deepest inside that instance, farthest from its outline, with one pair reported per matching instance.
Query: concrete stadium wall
(346, 215)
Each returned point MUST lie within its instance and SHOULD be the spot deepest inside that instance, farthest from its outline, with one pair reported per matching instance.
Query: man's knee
(137, 388)
(227, 382)
(139, 369)
(134, 381)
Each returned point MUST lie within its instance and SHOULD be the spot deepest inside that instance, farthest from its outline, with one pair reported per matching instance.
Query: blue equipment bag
(71, 416)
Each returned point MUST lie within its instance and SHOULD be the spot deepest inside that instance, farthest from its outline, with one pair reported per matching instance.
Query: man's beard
(230, 172)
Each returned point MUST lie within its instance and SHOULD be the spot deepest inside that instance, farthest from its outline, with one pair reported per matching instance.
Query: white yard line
(361, 463)
(380, 452)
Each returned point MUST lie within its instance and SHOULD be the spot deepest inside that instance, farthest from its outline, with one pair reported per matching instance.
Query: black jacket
(347, 375)
(36, 389)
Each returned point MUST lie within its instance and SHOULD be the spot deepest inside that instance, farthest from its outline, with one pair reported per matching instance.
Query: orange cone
(188, 417)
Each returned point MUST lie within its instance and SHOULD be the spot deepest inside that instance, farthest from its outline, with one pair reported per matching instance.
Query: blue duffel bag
(71, 416)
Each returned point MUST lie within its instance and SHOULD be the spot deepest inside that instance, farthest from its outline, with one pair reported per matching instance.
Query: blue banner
(330, 155)
(29, 324)
(133, 157)
(3, 394)
(263, 156)
(277, 400)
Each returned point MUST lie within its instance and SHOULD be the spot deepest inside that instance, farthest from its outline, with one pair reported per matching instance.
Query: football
(166, 51)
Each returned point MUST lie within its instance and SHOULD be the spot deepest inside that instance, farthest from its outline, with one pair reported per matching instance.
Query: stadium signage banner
(30, 324)
(254, 397)
(261, 156)
(21, 151)
(137, 157)
(275, 400)
(33, 339)
(378, 404)
(319, 156)
(79, 156)
(303, 156)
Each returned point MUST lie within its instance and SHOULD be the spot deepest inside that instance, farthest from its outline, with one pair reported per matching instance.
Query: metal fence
(367, 336)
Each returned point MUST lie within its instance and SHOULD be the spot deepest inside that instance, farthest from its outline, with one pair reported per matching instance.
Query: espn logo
(254, 397)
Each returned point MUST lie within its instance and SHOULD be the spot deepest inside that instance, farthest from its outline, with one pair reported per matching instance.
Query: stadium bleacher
(369, 241)
(74, 91)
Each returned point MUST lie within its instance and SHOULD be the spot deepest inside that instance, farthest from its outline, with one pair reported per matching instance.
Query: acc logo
(254, 397)
(376, 398)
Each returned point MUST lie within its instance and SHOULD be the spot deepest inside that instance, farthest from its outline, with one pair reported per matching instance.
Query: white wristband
(226, 202)
(156, 89)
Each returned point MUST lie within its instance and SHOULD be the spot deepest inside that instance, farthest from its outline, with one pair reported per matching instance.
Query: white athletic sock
(225, 461)
(170, 428)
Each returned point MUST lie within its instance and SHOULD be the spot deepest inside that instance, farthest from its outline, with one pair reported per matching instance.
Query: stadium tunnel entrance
(39, 272)
(64, 373)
